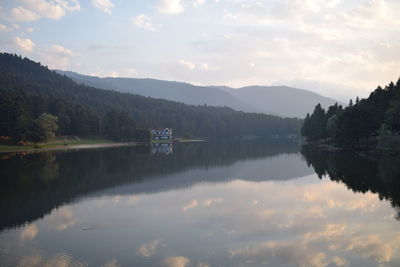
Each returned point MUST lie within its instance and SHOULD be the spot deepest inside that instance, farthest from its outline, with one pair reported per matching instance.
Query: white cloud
(29, 232)
(60, 50)
(31, 10)
(99, 72)
(191, 205)
(145, 22)
(25, 45)
(371, 247)
(114, 74)
(212, 201)
(4, 28)
(122, 72)
(202, 66)
(22, 14)
(170, 6)
(61, 219)
(104, 5)
(45, 9)
(281, 253)
(149, 249)
(59, 57)
(129, 72)
(331, 41)
(197, 3)
(187, 64)
(176, 262)
(339, 261)
(206, 67)
(52, 10)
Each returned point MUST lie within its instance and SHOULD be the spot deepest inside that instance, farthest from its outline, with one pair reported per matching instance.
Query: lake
(233, 203)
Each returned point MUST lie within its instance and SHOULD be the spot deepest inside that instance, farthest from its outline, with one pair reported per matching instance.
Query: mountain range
(277, 100)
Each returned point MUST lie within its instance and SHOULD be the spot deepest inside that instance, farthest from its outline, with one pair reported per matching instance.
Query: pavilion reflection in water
(162, 148)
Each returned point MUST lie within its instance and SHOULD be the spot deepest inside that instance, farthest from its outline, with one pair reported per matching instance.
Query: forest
(368, 123)
(36, 102)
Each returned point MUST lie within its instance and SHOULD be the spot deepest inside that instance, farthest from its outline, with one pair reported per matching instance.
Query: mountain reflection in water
(237, 203)
(32, 185)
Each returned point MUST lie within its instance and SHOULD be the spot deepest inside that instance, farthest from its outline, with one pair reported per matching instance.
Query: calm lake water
(269, 203)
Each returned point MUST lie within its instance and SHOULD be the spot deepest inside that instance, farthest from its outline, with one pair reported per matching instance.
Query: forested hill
(175, 91)
(277, 100)
(28, 89)
(373, 122)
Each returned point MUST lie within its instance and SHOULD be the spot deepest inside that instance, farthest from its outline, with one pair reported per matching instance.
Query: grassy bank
(58, 142)
(178, 140)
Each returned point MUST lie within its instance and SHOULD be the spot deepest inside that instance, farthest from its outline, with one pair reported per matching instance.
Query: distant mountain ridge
(283, 100)
(277, 100)
(175, 91)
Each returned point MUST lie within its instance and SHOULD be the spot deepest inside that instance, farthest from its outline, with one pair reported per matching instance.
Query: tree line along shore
(370, 123)
(37, 104)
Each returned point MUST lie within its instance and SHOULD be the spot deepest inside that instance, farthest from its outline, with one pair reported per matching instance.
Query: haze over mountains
(278, 100)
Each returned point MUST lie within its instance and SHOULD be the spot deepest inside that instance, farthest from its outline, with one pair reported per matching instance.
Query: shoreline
(31, 149)
(67, 147)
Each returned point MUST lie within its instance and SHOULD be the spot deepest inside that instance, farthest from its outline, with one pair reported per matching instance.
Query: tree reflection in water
(377, 173)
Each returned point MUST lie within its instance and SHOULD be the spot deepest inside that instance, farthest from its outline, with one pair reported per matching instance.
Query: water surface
(202, 204)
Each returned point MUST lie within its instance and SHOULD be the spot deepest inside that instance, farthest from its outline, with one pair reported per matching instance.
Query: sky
(338, 48)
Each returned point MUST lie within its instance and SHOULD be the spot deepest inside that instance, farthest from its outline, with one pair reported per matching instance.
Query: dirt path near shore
(67, 147)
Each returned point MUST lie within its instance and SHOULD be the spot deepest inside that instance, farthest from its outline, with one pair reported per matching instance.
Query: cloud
(111, 263)
(192, 204)
(145, 22)
(34, 259)
(61, 219)
(132, 200)
(103, 5)
(114, 74)
(22, 14)
(60, 50)
(339, 261)
(176, 262)
(206, 67)
(212, 201)
(197, 3)
(149, 249)
(331, 41)
(202, 66)
(99, 72)
(32, 10)
(25, 45)
(282, 254)
(371, 247)
(187, 64)
(59, 57)
(29, 232)
(170, 6)
(4, 28)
